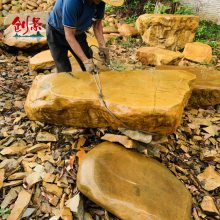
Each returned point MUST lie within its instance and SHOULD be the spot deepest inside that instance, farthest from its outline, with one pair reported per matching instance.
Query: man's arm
(70, 37)
(98, 31)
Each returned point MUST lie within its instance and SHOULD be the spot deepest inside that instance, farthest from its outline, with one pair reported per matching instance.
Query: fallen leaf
(17, 176)
(32, 179)
(81, 141)
(28, 212)
(37, 147)
(71, 131)
(49, 178)
(124, 140)
(13, 183)
(53, 189)
(208, 205)
(55, 218)
(212, 130)
(17, 148)
(66, 214)
(2, 176)
(11, 196)
(20, 206)
(46, 137)
(73, 203)
(210, 179)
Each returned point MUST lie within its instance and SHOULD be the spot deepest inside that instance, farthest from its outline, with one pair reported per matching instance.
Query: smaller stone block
(198, 52)
(157, 56)
(127, 30)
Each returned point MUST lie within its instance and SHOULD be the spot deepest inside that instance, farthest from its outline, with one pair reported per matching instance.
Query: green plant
(4, 213)
(112, 40)
(109, 8)
(162, 9)
(208, 30)
(184, 10)
(130, 19)
(117, 65)
(129, 42)
(149, 7)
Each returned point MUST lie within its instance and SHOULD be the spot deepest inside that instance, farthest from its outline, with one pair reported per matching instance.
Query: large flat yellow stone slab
(150, 101)
(131, 186)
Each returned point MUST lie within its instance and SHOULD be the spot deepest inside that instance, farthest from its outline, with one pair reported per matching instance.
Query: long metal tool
(101, 96)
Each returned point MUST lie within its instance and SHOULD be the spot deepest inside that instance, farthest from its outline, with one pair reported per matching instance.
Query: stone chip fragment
(210, 179)
(208, 205)
(18, 148)
(46, 136)
(20, 206)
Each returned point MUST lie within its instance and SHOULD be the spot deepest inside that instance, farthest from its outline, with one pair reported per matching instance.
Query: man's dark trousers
(59, 48)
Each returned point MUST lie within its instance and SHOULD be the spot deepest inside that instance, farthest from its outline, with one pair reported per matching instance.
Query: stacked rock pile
(20, 6)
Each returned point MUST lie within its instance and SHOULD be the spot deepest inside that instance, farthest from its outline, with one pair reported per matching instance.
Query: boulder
(127, 30)
(206, 87)
(108, 176)
(36, 39)
(151, 101)
(198, 52)
(43, 60)
(167, 31)
(157, 56)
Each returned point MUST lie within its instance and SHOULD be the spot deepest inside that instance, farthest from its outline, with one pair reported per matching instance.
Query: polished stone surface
(206, 87)
(167, 31)
(131, 186)
(151, 101)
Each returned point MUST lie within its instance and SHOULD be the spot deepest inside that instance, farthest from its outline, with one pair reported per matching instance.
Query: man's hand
(90, 66)
(104, 55)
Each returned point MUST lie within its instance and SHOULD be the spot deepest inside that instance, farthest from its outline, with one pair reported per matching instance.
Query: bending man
(66, 28)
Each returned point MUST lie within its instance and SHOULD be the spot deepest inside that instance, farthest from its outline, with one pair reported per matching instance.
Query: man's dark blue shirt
(77, 14)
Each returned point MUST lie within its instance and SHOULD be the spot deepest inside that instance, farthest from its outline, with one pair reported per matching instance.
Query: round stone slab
(131, 186)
